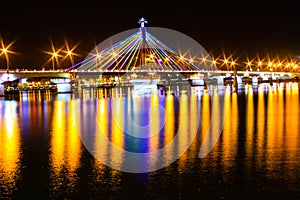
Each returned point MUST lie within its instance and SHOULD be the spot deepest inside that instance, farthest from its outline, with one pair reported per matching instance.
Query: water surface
(42, 154)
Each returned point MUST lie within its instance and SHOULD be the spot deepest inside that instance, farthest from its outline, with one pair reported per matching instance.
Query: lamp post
(225, 62)
(54, 56)
(249, 66)
(70, 54)
(5, 52)
(259, 66)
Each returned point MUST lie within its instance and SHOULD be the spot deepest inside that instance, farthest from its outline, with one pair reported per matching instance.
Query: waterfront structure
(142, 57)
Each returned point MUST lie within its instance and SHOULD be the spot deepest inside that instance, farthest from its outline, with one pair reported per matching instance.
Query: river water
(52, 145)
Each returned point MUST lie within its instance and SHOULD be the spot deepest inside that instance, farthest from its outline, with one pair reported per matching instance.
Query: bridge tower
(142, 22)
(144, 46)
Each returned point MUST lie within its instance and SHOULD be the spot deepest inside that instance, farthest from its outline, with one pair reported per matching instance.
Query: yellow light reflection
(230, 129)
(169, 130)
(183, 132)
(169, 126)
(277, 138)
(234, 121)
(155, 125)
(73, 142)
(101, 128)
(101, 150)
(193, 120)
(205, 117)
(216, 117)
(117, 135)
(250, 122)
(10, 151)
(275, 122)
(260, 125)
(101, 131)
(58, 137)
(65, 144)
(213, 133)
(292, 122)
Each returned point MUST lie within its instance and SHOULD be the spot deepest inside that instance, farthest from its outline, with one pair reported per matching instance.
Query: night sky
(244, 28)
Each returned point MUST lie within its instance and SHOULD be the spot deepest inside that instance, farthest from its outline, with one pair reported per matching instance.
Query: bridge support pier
(1, 90)
(235, 84)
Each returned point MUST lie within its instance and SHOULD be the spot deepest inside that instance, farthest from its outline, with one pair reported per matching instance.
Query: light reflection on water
(65, 150)
(258, 151)
(10, 150)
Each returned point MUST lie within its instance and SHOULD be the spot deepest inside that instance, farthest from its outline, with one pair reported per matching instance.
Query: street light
(249, 63)
(5, 50)
(54, 53)
(54, 56)
(70, 54)
(226, 61)
(70, 51)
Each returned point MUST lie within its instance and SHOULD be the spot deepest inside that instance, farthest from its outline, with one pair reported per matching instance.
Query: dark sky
(244, 27)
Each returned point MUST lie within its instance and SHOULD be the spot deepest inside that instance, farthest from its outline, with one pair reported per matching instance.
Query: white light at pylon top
(142, 21)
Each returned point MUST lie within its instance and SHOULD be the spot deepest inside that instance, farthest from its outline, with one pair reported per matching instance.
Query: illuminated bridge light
(138, 49)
